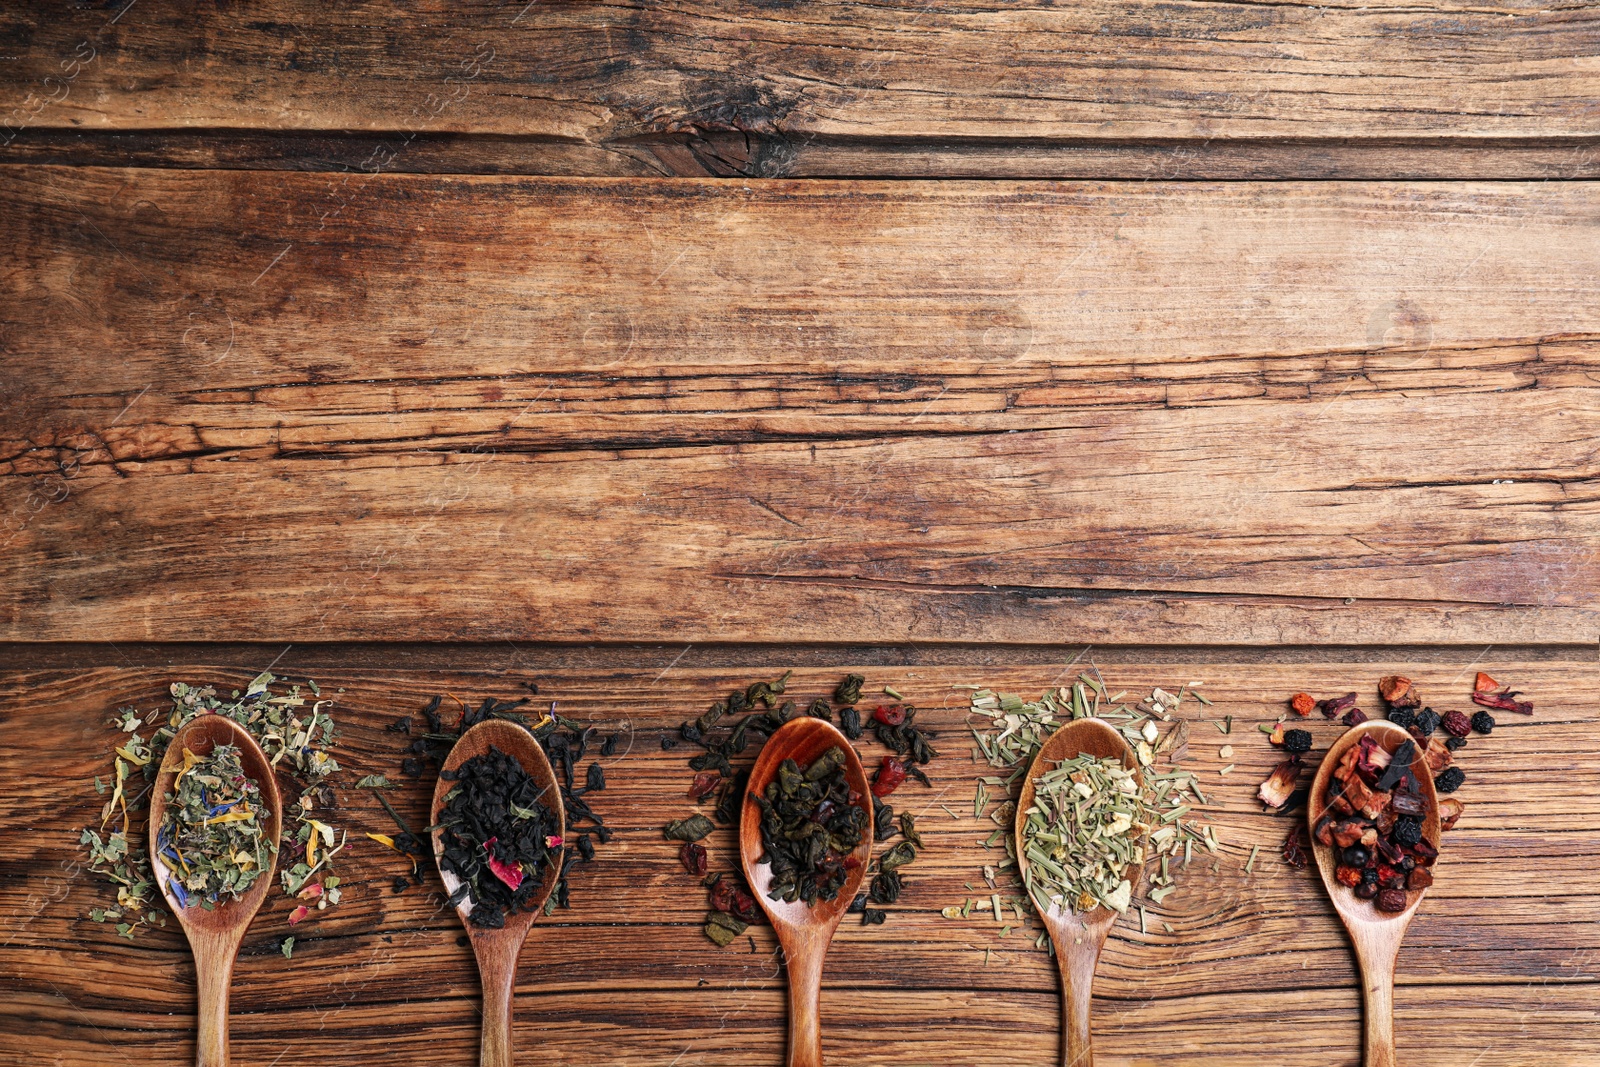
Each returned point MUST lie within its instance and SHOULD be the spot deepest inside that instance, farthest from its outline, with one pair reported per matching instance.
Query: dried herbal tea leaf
(809, 828)
(1083, 831)
(499, 836)
(294, 737)
(1015, 730)
(212, 842)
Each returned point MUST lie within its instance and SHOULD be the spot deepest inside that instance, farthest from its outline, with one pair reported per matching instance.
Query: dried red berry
(1302, 703)
(1293, 853)
(705, 783)
(1392, 900)
(1456, 724)
(693, 858)
(893, 715)
(889, 776)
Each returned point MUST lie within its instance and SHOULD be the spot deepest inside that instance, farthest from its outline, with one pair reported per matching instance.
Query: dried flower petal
(1450, 810)
(1279, 786)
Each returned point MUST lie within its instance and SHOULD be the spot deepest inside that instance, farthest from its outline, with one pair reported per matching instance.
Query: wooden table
(641, 351)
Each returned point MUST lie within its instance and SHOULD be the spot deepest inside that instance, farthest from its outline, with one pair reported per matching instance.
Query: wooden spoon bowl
(1078, 939)
(215, 934)
(1375, 935)
(497, 950)
(804, 931)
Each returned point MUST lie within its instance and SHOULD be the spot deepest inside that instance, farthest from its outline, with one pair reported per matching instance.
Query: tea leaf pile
(294, 737)
(211, 841)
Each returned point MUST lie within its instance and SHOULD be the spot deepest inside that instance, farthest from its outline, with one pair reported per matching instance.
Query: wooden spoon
(803, 931)
(1375, 934)
(497, 950)
(214, 935)
(1078, 939)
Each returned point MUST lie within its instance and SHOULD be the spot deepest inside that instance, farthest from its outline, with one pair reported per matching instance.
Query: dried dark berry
(1455, 743)
(1392, 900)
(1449, 779)
(1402, 717)
(1426, 722)
(1407, 830)
(1356, 856)
(1296, 741)
(1367, 890)
(1483, 722)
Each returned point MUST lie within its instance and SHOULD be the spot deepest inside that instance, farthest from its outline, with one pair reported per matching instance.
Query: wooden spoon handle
(1376, 953)
(805, 999)
(1076, 965)
(498, 981)
(213, 966)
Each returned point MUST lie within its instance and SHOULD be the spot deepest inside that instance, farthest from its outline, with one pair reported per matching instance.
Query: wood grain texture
(746, 154)
(1172, 414)
(602, 73)
(1498, 966)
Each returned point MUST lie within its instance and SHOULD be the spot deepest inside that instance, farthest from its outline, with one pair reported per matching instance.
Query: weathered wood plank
(1198, 461)
(1001, 538)
(1315, 1028)
(602, 73)
(757, 155)
(1505, 935)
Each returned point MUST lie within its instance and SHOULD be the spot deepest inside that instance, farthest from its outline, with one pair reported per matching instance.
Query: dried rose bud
(1354, 717)
(1456, 724)
(1419, 878)
(1301, 704)
(1450, 810)
(1350, 876)
(1279, 786)
(1277, 734)
(1392, 900)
